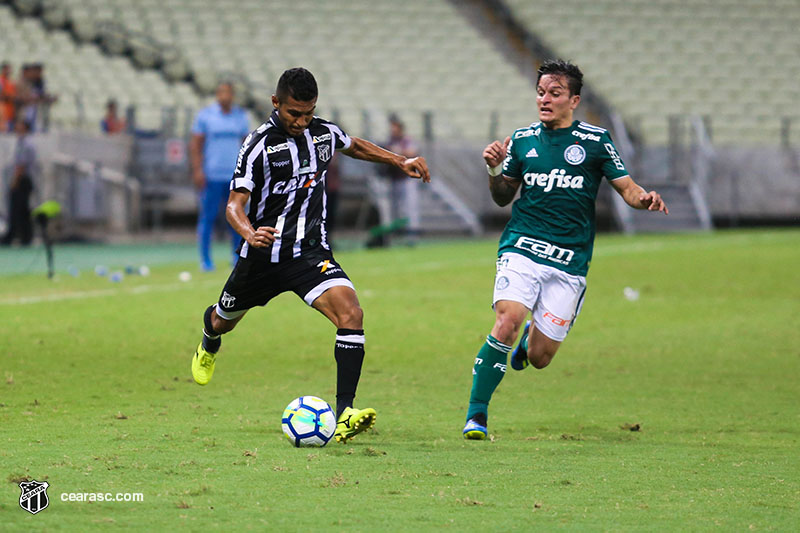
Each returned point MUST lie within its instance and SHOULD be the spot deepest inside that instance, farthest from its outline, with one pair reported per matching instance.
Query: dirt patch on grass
(18, 478)
(337, 480)
(372, 452)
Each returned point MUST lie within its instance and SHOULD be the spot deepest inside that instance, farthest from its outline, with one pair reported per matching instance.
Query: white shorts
(554, 297)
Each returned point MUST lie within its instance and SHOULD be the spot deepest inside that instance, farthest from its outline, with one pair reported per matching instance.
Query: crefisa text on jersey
(586, 136)
(558, 177)
(527, 133)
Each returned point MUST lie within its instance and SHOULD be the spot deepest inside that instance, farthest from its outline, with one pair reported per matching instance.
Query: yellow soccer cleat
(203, 365)
(354, 421)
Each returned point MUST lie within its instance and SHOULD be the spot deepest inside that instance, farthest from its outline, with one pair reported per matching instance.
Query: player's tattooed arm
(414, 167)
(638, 198)
(256, 237)
(502, 188)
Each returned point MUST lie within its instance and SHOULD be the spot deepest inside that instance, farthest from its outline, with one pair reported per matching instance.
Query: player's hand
(495, 153)
(416, 167)
(653, 202)
(199, 178)
(263, 237)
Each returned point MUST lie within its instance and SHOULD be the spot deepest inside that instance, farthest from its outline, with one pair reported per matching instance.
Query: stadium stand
(736, 61)
(650, 60)
(431, 60)
(659, 65)
(85, 78)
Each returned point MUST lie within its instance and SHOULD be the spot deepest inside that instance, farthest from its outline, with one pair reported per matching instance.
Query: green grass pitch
(96, 396)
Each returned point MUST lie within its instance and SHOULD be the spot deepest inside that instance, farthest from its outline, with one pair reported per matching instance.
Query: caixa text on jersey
(302, 181)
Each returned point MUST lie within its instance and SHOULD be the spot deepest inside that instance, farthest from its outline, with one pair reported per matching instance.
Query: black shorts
(255, 282)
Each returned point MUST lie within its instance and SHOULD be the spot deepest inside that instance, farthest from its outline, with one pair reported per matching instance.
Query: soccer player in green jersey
(545, 250)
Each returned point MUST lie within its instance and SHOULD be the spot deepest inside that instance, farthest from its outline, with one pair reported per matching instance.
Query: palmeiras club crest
(575, 154)
(324, 152)
(34, 496)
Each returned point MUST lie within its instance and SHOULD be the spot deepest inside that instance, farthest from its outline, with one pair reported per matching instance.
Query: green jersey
(552, 222)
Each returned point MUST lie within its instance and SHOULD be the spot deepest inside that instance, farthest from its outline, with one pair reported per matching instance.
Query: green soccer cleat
(203, 365)
(354, 421)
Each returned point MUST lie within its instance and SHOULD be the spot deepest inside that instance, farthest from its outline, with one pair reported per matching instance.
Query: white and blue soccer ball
(308, 421)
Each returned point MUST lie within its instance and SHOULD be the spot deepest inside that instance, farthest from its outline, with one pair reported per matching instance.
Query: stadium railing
(95, 200)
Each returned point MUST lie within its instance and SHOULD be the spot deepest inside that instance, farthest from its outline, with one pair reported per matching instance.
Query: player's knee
(352, 317)
(540, 357)
(539, 362)
(223, 326)
(505, 329)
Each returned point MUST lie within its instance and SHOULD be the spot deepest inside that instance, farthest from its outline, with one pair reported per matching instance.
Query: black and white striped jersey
(286, 179)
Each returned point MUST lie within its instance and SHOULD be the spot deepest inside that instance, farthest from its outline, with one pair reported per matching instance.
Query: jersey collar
(218, 109)
(560, 131)
(273, 118)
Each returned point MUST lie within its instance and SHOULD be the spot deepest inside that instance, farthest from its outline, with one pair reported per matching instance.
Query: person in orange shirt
(8, 95)
(112, 123)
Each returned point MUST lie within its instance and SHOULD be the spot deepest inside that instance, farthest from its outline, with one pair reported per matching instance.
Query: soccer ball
(308, 421)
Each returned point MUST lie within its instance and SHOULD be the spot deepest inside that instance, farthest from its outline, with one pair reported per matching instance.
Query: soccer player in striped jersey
(280, 174)
(545, 250)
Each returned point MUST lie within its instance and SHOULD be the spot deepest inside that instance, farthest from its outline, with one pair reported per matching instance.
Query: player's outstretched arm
(502, 188)
(257, 238)
(414, 167)
(636, 197)
(196, 160)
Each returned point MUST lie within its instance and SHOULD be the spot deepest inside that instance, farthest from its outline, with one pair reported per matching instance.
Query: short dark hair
(394, 118)
(559, 67)
(298, 83)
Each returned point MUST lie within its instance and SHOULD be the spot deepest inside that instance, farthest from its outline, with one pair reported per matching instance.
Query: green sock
(489, 369)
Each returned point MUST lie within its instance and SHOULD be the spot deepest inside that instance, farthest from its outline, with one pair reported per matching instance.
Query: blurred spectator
(19, 209)
(33, 100)
(404, 192)
(217, 135)
(111, 122)
(26, 97)
(8, 96)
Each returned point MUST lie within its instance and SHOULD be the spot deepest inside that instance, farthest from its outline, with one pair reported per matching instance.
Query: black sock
(211, 339)
(349, 353)
(480, 418)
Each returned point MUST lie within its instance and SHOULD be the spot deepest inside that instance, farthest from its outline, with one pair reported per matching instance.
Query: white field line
(612, 250)
(101, 293)
(609, 250)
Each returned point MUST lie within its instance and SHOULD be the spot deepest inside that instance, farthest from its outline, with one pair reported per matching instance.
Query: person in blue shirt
(217, 134)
